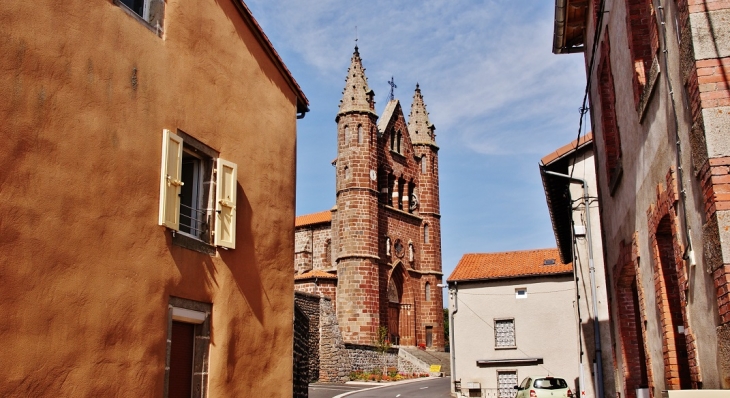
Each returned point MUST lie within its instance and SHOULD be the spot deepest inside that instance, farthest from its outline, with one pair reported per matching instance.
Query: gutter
(559, 27)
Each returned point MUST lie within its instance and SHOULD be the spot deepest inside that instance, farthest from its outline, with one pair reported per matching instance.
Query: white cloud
(485, 67)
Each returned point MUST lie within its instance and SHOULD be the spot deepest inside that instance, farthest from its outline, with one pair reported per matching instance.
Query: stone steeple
(419, 127)
(357, 96)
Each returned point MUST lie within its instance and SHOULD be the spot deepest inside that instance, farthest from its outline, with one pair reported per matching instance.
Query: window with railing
(197, 191)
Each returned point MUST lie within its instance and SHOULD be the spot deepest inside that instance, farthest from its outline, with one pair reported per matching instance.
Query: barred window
(506, 382)
(504, 333)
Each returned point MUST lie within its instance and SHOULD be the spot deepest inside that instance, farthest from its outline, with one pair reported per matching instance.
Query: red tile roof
(317, 273)
(483, 266)
(566, 149)
(314, 218)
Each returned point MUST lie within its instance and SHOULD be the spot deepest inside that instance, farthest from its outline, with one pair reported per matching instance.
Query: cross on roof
(391, 82)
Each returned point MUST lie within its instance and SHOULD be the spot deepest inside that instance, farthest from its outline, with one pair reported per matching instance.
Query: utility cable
(492, 327)
(583, 110)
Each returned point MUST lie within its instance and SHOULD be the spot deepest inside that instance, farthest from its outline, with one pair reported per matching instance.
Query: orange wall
(85, 271)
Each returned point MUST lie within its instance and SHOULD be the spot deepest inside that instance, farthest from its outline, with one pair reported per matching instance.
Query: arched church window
(347, 173)
(328, 253)
(399, 142)
(401, 193)
(392, 142)
(425, 233)
(359, 134)
(391, 186)
(428, 291)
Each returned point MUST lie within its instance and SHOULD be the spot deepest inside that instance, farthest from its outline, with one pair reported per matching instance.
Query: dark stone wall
(309, 304)
(301, 353)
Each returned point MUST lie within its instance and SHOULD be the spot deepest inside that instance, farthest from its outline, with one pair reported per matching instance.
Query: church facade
(377, 253)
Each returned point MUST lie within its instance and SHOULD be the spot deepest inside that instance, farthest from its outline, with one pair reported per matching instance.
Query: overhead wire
(492, 327)
(583, 109)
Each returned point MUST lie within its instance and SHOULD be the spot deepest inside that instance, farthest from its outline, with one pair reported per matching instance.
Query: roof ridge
(515, 251)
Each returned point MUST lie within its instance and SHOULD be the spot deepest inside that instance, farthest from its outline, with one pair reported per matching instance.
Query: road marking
(397, 396)
(423, 388)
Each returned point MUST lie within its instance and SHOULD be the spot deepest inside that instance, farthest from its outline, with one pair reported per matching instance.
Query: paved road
(323, 390)
(430, 388)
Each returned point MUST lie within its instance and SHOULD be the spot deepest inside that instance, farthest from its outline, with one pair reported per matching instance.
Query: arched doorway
(401, 311)
(676, 356)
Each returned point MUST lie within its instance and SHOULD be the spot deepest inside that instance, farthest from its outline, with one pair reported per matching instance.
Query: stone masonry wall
(313, 248)
(334, 361)
(301, 353)
(310, 306)
(367, 358)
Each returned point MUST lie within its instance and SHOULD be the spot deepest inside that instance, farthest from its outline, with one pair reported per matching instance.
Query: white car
(543, 387)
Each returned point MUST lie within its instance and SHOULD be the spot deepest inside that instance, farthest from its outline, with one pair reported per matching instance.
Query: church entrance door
(393, 323)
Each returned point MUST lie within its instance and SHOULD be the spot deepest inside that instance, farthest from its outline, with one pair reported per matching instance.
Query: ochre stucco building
(377, 253)
(146, 201)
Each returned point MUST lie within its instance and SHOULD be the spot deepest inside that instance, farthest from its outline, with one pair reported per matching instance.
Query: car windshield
(550, 383)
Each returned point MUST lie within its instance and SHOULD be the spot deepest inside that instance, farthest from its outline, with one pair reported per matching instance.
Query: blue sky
(499, 98)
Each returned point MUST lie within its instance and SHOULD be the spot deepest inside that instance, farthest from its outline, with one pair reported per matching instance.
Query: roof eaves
(258, 32)
(507, 277)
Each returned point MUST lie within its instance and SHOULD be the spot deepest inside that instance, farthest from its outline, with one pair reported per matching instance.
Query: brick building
(658, 74)
(377, 253)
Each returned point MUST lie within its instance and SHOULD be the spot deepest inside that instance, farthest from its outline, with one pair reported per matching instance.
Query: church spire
(357, 96)
(419, 127)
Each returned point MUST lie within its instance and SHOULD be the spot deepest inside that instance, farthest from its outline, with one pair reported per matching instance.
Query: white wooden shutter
(225, 206)
(170, 183)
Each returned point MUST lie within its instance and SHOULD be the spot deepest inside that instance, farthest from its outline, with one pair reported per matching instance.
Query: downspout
(577, 307)
(592, 273)
(453, 294)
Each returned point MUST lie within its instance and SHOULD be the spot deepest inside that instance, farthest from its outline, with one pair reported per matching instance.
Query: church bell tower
(355, 220)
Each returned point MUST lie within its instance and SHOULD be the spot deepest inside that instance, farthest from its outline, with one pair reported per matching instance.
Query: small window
(424, 164)
(347, 173)
(504, 333)
(359, 134)
(428, 291)
(425, 234)
(151, 11)
(521, 292)
(328, 253)
(346, 134)
(189, 203)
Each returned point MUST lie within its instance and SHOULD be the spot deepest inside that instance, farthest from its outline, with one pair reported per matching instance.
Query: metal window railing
(195, 221)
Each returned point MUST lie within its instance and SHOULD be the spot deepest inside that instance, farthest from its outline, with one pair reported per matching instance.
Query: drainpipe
(592, 273)
(452, 347)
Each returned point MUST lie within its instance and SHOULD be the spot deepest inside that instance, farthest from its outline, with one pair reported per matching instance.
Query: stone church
(377, 253)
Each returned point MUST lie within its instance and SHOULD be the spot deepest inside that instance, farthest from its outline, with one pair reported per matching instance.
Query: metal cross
(392, 86)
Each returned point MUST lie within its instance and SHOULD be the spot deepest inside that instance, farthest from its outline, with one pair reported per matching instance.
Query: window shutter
(170, 183)
(225, 206)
